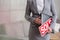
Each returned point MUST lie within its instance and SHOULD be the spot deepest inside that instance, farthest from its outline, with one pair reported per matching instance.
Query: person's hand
(37, 20)
(49, 30)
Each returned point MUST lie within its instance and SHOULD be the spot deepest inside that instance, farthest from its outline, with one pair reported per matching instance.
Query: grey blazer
(49, 10)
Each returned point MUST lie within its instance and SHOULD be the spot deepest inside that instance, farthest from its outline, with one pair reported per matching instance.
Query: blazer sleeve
(28, 12)
(54, 17)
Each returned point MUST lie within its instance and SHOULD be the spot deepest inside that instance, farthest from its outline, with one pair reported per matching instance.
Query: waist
(37, 15)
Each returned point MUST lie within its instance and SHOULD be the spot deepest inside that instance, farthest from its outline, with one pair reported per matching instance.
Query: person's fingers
(49, 30)
(38, 21)
(39, 17)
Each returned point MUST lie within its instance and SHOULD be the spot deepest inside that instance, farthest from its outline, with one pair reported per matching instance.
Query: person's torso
(46, 10)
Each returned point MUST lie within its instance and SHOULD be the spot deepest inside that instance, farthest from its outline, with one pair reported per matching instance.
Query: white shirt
(40, 5)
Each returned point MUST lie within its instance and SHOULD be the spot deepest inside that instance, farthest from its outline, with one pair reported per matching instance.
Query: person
(41, 10)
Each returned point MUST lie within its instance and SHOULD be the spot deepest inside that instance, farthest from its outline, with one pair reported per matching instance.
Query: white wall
(17, 10)
(12, 10)
(12, 16)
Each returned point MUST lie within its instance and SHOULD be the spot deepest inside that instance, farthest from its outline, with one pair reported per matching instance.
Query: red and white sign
(43, 29)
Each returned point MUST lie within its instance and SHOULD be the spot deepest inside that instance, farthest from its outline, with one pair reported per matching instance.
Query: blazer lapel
(35, 5)
(44, 5)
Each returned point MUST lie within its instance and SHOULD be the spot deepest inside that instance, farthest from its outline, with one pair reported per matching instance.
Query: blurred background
(13, 25)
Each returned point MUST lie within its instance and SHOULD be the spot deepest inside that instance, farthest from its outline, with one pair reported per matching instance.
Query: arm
(53, 10)
(28, 12)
